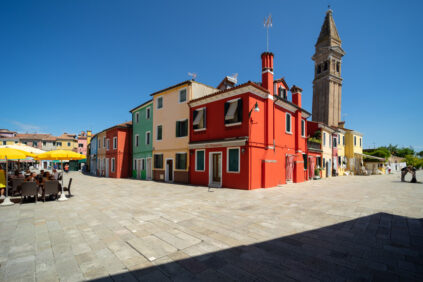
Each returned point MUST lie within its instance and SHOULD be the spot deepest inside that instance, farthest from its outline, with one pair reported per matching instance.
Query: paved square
(344, 228)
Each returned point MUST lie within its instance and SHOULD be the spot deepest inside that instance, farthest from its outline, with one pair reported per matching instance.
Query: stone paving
(344, 228)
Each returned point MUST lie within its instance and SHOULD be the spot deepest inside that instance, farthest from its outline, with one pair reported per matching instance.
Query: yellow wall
(101, 150)
(350, 148)
(327, 150)
(73, 144)
(8, 142)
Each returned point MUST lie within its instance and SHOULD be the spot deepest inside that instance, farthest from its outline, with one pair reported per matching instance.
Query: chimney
(267, 71)
(296, 95)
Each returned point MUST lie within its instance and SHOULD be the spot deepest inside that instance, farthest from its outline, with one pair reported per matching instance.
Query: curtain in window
(233, 160)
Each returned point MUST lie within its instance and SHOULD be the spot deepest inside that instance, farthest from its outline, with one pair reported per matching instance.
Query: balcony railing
(313, 145)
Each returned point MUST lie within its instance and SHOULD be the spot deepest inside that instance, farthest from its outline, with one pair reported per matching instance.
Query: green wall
(140, 128)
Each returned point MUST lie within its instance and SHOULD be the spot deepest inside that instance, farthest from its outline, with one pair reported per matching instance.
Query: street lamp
(256, 109)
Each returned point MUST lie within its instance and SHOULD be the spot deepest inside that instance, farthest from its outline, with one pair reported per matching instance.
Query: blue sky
(76, 65)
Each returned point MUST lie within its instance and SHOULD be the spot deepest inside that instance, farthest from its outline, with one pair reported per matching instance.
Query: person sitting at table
(55, 174)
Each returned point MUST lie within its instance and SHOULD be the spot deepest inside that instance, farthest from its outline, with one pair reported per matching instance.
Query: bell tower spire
(327, 83)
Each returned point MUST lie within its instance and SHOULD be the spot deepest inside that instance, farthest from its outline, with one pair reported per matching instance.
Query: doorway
(107, 167)
(138, 161)
(149, 169)
(215, 172)
(289, 168)
(169, 170)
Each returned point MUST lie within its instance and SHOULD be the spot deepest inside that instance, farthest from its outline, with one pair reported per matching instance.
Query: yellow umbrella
(10, 154)
(60, 155)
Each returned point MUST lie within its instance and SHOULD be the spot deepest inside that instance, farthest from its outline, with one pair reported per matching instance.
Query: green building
(142, 141)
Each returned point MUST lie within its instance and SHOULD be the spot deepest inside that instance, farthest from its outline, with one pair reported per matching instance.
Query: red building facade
(119, 151)
(249, 136)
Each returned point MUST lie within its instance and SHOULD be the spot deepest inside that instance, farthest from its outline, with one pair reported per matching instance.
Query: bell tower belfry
(327, 83)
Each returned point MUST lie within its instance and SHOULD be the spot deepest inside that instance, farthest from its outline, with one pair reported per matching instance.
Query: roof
(328, 31)
(143, 104)
(127, 124)
(66, 136)
(3, 130)
(32, 136)
(230, 89)
(282, 79)
(292, 104)
(173, 86)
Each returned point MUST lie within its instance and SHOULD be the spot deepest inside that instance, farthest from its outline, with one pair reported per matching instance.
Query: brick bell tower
(327, 83)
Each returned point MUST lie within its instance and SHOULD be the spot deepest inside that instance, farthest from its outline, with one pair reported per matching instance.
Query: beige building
(327, 83)
(101, 153)
(326, 145)
(340, 146)
(171, 130)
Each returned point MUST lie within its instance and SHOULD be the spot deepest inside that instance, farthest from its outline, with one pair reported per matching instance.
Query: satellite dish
(193, 75)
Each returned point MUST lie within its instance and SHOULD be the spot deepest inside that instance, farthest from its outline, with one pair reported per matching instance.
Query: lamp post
(256, 109)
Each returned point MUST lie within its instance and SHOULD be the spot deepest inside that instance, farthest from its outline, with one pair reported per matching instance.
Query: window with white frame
(114, 142)
(107, 144)
(137, 117)
(181, 161)
(199, 119)
(113, 165)
(182, 96)
(288, 128)
(303, 128)
(233, 160)
(200, 160)
(324, 138)
(159, 132)
(137, 140)
(147, 138)
(334, 142)
(148, 113)
(343, 139)
(233, 112)
(104, 142)
(159, 102)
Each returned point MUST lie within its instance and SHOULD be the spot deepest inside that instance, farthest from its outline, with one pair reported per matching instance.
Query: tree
(420, 154)
(403, 152)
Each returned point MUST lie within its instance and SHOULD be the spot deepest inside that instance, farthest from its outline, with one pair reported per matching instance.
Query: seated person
(31, 177)
(55, 174)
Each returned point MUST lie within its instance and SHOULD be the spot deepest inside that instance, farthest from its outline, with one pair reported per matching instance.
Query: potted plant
(317, 172)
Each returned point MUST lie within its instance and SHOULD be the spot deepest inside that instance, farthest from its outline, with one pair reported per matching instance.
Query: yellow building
(326, 145)
(170, 136)
(101, 153)
(67, 142)
(354, 150)
(342, 160)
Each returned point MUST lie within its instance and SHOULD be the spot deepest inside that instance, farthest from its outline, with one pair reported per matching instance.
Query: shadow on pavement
(379, 247)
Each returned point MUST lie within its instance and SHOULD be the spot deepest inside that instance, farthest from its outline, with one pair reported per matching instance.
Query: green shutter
(177, 129)
(233, 160)
(200, 160)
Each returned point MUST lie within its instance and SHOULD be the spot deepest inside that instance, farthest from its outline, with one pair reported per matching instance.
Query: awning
(370, 157)
(219, 143)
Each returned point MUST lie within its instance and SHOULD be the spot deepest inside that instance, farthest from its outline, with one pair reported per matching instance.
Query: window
(355, 140)
(25, 143)
(282, 92)
(182, 128)
(104, 142)
(337, 67)
(114, 142)
(158, 161)
(137, 140)
(288, 123)
(4, 142)
(199, 119)
(334, 142)
(324, 163)
(360, 142)
(159, 102)
(34, 144)
(113, 165)
(181, 161)
(233, 160)
(199, 160)
(324, 138)
(98, 144)
(305, 161)
(135, 164)
(319, 161)
(325, 66)
(107, 144)
(303, 128)
(44, 143)
(330, 142)
(16, 142)
(59, 143)
(148, 113)
(147, 138)
(233, 112)
(142, 164)
(343, 140)
(69, 144)
(159, 132)
(319, 69)
(182, 95)
(137, 117)
(339, 160)
(80, 145)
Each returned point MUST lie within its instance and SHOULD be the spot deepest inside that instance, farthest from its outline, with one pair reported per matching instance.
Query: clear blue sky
(76, 65)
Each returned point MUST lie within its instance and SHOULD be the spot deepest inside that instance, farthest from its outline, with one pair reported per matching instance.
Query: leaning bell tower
(327, 83)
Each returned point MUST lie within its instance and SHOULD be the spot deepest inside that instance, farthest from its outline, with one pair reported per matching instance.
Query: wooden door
(169, 169)
(216, 168)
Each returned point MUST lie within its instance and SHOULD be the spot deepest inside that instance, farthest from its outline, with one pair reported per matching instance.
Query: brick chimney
(267, 71)
(296, 95)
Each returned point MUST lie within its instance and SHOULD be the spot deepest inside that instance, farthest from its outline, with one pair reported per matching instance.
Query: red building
(119, 151)
(249, 136)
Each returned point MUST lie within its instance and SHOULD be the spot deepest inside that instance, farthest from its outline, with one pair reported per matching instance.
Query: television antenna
(267, 25)
(193, 75)
(234, 77)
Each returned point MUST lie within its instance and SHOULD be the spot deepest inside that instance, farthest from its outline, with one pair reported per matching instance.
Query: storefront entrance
(215, 169)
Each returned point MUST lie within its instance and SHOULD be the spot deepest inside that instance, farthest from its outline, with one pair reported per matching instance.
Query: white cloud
(27, 127)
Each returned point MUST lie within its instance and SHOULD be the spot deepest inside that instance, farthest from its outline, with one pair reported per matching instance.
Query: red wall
(123, 153)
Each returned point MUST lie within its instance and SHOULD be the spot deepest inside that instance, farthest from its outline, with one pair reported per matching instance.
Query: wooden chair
(15, 186)
(68, 188)
(51, 187)
(29, 189)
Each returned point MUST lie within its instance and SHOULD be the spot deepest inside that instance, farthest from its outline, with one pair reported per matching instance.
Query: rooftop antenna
(234, 77)
(193, 75)
(267, 25)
